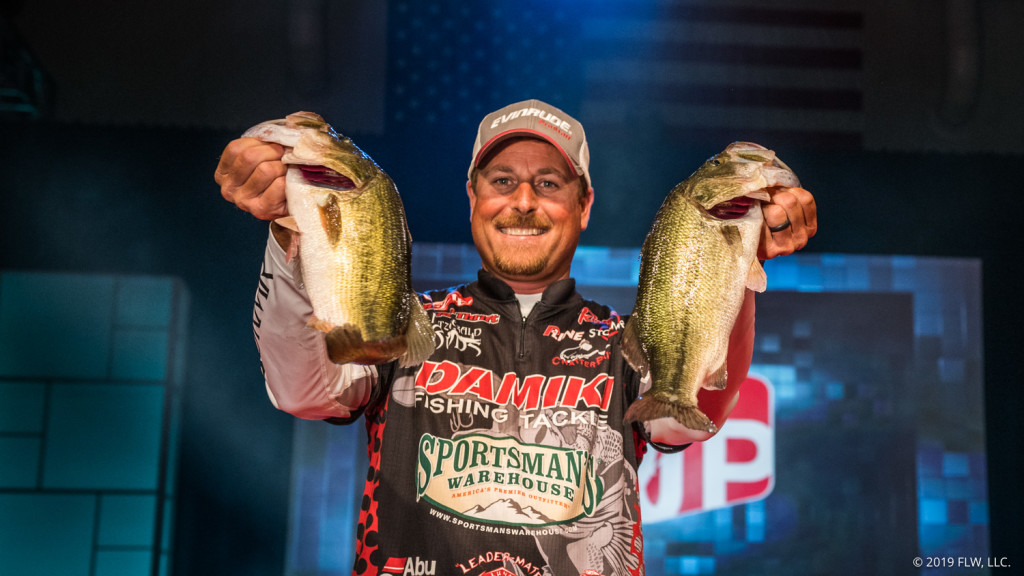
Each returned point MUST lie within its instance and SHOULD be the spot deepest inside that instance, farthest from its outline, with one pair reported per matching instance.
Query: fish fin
(419, 335)
(330, 219)
(757, 280)
(286, 233)
(732, 236)
(717, 379)
(288, 222)
(632, 349)
(652, 408)
(293, 253)
(297, 273)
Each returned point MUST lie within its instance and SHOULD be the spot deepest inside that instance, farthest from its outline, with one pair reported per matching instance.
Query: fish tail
(652, 408)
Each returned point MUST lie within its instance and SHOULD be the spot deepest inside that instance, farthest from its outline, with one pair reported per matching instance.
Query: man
(497, 458)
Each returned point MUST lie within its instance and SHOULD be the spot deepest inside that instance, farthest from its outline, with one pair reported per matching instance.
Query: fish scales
(354, 245)
(694, 271)
(360, 283)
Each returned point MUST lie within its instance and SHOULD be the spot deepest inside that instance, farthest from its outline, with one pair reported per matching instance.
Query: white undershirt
(526, 302)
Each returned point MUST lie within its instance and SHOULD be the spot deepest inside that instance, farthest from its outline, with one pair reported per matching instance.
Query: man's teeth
(522, 231)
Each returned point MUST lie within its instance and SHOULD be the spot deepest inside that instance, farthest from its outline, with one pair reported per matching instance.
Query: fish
(694, 270)
(353, 243)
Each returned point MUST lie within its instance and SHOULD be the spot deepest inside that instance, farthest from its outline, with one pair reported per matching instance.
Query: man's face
(526, 213)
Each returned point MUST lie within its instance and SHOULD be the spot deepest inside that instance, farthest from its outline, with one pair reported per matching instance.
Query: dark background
(108, 146)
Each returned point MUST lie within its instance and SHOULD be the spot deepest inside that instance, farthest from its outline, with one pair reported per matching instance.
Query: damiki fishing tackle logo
(734, 467)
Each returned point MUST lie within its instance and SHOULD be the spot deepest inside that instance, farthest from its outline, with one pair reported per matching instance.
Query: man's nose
(524, 198)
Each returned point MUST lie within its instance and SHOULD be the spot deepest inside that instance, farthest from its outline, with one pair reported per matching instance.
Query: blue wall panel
(89, 387)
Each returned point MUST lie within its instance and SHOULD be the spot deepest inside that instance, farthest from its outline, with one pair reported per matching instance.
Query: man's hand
(251, 176)
(790, 220)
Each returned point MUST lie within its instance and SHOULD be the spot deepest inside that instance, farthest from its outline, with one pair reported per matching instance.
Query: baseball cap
(539, 120)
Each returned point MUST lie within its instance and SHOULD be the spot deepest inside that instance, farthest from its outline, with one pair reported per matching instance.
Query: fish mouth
(733, 209)
(326, 177)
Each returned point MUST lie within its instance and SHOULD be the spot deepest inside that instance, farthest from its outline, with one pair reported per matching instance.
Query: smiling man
(506, 451)
(527, 209)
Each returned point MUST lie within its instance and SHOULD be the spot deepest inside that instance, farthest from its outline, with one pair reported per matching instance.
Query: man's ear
(588, 201)
(472, 197)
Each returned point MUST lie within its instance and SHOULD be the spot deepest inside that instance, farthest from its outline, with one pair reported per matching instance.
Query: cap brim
(527, 133)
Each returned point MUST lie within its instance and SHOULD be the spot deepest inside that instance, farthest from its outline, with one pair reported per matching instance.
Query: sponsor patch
(503, 481)
(557, 334)
(412, 566)
(522, 565)
(530, 392)
(453, 298)
(608, 327)
(583, 355)
(452, 335)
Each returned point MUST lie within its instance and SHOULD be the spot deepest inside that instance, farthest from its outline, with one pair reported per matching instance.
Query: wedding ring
(780, 227)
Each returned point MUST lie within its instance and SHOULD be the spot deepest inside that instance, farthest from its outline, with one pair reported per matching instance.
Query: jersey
(506, 452)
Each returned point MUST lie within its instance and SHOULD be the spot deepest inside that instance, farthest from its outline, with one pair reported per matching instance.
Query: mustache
(522, 221)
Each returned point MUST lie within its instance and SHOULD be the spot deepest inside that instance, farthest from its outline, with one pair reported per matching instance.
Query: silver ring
(780, 227)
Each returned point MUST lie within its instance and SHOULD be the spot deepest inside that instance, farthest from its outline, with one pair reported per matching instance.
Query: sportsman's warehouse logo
(504, 481)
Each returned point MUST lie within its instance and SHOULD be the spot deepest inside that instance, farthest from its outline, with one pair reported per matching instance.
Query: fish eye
(715, 161)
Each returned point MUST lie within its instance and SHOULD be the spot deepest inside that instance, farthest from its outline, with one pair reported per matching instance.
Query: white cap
(539, 120)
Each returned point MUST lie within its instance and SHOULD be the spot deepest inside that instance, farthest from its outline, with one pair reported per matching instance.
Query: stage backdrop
(857, 446)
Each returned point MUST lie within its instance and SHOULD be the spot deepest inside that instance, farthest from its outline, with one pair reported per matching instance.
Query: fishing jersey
(504, 453)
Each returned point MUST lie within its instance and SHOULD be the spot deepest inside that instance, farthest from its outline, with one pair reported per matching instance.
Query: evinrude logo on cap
(547, 117)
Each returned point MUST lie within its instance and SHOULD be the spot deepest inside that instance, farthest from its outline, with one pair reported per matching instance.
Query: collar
(558, 292)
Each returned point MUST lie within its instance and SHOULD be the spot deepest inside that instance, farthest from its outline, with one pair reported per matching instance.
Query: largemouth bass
(694, 270)
(354, 245)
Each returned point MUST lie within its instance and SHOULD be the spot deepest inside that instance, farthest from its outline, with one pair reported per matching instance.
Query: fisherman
(510, 453)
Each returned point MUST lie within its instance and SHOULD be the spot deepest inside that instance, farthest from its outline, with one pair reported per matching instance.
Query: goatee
(521, 262)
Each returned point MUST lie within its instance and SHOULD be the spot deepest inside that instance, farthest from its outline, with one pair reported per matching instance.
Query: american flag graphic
(726, 70)
(788, 71)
